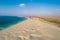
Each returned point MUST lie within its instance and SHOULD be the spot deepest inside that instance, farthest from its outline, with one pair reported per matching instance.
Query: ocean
(7, 21)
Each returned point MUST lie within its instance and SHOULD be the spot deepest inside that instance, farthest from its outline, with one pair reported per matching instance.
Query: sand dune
(33, 28)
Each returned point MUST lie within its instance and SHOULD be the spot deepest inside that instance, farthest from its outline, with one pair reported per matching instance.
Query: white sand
(31, 29)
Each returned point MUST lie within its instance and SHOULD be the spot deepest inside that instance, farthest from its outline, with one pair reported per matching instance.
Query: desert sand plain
(34, 28)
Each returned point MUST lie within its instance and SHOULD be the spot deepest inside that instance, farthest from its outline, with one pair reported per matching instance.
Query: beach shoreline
(31, 29)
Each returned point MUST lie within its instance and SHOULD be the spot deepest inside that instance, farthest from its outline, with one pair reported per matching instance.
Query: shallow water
(7, 21)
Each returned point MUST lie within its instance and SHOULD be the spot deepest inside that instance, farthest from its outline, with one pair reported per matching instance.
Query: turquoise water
(7, 21)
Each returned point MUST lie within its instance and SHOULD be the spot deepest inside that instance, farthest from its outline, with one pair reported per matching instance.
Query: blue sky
(30, 7)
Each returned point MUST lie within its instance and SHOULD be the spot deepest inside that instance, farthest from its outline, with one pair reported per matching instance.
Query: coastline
(8, 21)
(32, 27)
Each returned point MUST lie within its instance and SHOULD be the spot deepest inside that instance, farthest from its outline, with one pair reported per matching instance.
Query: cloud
(58, 10)
(31, 0)
(22, 5)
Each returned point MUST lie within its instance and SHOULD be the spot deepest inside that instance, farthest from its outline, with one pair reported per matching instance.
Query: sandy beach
(31, 29)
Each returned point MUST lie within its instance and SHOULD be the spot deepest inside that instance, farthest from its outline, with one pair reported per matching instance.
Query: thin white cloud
(31, 0)
(57, 9)
(22, 5)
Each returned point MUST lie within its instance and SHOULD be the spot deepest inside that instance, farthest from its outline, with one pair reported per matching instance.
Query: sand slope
(31, 29)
